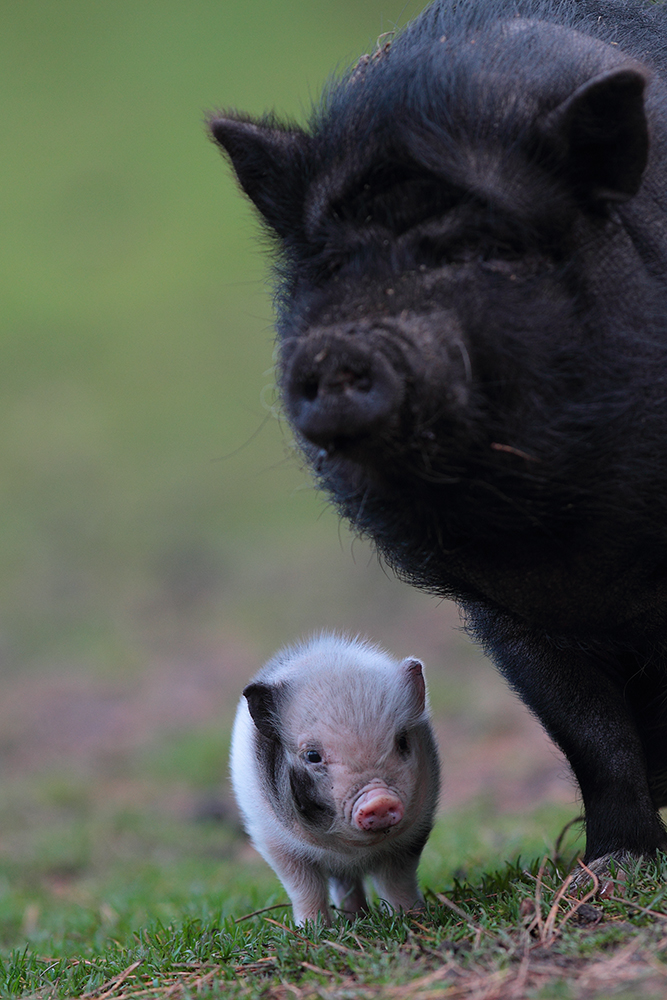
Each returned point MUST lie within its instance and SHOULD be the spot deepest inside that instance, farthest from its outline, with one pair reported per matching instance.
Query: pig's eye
(403, 744)
(435, 252)
(313, 757)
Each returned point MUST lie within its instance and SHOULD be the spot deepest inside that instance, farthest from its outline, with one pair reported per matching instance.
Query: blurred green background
(158, 537)
(141, 454)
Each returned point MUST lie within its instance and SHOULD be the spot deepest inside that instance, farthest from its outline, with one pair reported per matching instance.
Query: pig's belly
(579, 592)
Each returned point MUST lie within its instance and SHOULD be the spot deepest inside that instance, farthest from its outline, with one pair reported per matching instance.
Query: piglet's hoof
(609, 872)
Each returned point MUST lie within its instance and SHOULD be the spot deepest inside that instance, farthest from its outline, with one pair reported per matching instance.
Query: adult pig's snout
(339, 391)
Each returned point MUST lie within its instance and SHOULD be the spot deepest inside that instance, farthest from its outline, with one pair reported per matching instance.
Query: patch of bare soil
(490, 745)
(66, 714)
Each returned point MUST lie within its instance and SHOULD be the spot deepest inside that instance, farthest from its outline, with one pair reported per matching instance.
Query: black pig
(471, 247)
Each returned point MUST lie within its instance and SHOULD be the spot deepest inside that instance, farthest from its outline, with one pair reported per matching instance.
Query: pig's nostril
(310, 389)
(341, 381)
(340, 395)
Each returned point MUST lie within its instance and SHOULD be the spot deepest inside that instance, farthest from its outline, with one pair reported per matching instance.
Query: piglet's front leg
(306, 886)
(396, 883)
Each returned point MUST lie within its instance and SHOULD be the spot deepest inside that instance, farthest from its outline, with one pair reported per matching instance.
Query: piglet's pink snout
(377, 809)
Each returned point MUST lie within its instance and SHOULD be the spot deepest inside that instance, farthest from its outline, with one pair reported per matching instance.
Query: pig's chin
(349, 459)
(351, 465)
(358, 839)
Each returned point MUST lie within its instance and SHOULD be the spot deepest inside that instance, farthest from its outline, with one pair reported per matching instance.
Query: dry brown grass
(526, 960)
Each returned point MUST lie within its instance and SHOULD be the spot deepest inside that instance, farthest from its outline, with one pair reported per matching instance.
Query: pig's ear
(271, 166)
(412, 671)
(601, 133)
(263, 701)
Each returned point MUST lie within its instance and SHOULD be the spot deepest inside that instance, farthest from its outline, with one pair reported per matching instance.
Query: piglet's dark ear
(414, 677)
(263, 703)
(271, 166)
(601, 133)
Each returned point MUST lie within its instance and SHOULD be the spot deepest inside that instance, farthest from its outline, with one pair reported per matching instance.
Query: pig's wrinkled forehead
(348, 697)
(344, 681)
(451, 72)
(328, 650)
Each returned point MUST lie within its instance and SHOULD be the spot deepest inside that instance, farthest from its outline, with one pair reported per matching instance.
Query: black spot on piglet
(311, 808)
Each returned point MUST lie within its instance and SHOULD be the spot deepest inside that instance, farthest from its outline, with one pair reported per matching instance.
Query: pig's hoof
(609, 871)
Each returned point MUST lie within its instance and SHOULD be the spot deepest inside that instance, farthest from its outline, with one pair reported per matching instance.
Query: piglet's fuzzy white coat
(335, 770)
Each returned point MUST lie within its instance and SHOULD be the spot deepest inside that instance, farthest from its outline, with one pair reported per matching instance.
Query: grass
(513, 932)
(139, 883)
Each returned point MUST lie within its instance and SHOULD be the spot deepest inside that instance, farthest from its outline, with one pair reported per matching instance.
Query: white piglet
(335, 770)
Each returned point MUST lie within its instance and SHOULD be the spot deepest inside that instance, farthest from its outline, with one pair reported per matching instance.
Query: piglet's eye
(402, 743)
(313, 757)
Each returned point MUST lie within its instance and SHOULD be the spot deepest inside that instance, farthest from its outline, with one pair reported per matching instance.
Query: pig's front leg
(581, 700)
(396, 882)
(309, 897)
(305, 883)
(348, 895)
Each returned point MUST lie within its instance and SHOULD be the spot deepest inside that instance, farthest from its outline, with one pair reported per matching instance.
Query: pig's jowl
(470, 244)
